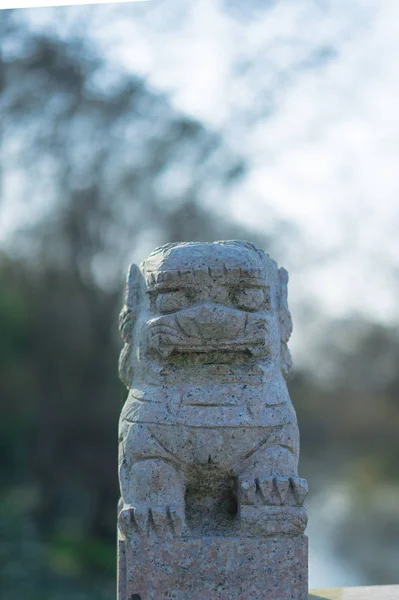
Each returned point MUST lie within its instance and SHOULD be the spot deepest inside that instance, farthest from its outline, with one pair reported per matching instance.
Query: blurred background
(127, 126)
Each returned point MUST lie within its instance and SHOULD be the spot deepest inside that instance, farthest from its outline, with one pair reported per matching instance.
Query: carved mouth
(197, 356)
(211, 357)
(167, 342)
(255, 350)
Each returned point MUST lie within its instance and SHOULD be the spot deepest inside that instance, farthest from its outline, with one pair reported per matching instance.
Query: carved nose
(210, 321)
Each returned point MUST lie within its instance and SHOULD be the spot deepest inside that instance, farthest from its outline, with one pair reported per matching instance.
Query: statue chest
(210, 406)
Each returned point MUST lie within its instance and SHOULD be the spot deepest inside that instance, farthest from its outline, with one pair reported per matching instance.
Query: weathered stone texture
(209, 442)
(217, 568)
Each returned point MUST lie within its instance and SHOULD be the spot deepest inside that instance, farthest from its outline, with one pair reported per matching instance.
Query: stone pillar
(211, 503)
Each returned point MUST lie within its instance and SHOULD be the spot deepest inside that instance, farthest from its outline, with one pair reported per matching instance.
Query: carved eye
(251, 299)
(168, 302)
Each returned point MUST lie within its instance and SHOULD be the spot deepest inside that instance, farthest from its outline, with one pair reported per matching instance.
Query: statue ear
(285, 322)
(284, 312)
(133, 286)
(127, 320)
(129, 311)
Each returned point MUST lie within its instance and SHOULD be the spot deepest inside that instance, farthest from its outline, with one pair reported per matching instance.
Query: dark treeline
(122, 171)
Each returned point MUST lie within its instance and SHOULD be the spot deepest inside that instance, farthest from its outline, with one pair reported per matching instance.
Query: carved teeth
(165, 351)
(188, 326)
(300, 489)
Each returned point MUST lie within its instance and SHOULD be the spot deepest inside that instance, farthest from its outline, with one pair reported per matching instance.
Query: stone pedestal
(214, 568)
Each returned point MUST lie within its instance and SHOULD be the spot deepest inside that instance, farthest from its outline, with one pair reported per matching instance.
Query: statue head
(194, 304)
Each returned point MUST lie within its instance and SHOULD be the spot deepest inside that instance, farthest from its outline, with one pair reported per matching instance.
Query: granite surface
(215, 568)
(208, 436)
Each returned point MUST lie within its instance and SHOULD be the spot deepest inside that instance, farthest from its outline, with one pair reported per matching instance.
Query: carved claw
(164, 520)
(300, 489)
(160, 521)
(141, 518)
(267, 490)
(125, 520)
(248, 491)
(273, 491)
(282, 486)
(176, 514)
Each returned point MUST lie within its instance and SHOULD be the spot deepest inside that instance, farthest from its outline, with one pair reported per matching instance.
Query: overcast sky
(326, 146)
(309, 89)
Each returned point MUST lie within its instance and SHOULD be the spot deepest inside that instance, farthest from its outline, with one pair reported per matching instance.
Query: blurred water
(326, 568)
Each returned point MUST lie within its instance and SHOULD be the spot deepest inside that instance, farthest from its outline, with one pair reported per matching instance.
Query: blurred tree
(97, 166)
(352, 402)
(111, 158)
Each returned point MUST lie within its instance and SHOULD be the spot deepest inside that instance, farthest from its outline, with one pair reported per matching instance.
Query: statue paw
(299, 490)
(125, 519)
(164, 521)
(273, 491)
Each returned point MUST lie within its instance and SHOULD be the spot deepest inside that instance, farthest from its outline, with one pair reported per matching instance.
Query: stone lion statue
(208, 438)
